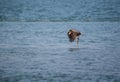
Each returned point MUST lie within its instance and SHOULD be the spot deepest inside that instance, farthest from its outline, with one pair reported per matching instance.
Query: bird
(73, 35)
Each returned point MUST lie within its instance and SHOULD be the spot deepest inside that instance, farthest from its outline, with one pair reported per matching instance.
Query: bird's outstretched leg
(77, 40)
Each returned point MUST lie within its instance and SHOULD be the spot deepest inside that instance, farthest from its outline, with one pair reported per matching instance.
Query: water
(60, 10)
(41, 52)
(34, 46)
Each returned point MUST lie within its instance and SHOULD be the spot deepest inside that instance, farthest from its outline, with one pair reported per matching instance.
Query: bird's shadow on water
(73, 49)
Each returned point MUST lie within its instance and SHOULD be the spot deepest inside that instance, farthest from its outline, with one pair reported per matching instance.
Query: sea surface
(59, 10)
(41, 52)
(34, 45)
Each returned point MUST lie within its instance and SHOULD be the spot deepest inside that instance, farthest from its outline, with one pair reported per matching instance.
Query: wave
(64, 20)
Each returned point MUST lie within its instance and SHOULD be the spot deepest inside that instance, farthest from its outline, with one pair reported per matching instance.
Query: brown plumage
(73, 35)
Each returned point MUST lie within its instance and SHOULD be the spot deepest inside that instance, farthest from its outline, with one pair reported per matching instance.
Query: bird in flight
(73, 35)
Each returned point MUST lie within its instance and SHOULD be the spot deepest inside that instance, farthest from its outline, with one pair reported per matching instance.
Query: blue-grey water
(34, 46)
(59, 10)
(41, 52)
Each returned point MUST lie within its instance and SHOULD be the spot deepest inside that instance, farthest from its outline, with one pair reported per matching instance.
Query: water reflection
(74, 49)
